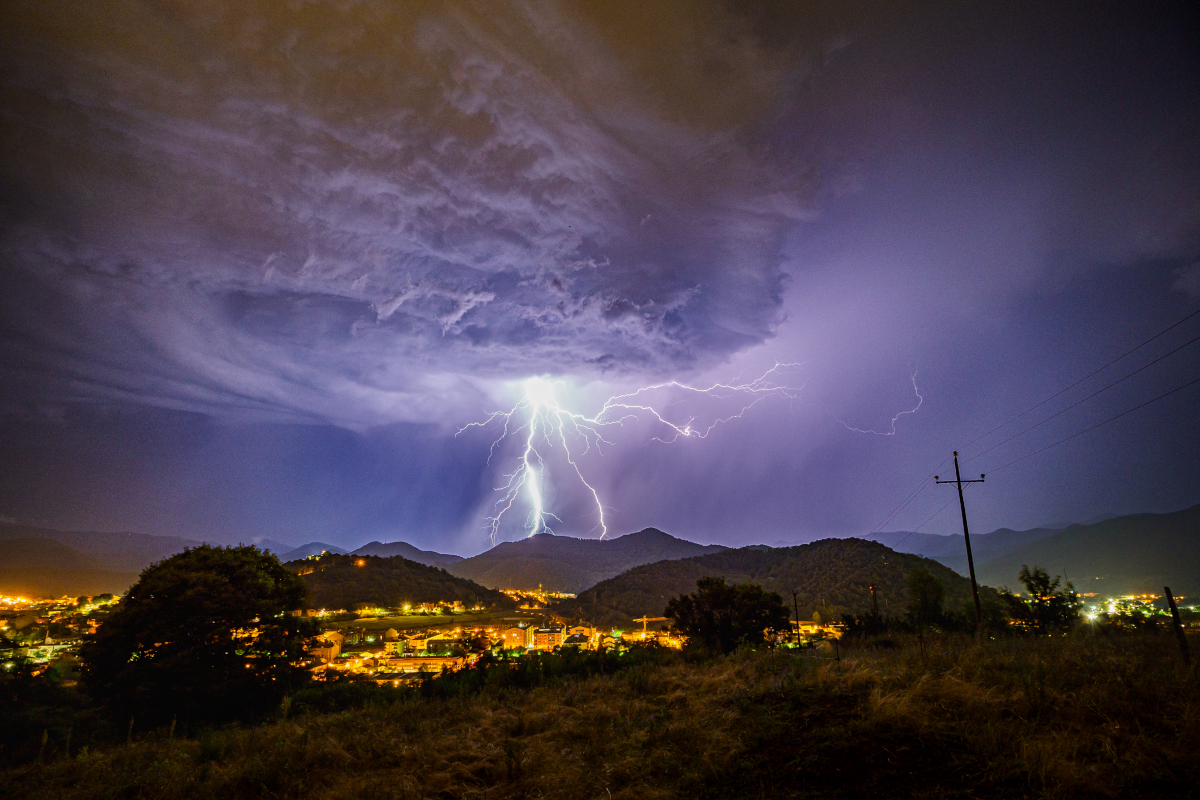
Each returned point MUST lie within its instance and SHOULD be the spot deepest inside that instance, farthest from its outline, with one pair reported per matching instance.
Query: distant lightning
(543, 424)
(891, 431)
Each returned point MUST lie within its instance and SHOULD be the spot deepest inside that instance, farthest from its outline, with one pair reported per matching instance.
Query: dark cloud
(290, 207)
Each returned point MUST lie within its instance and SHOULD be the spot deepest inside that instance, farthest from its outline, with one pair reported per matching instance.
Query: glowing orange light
(362, 562)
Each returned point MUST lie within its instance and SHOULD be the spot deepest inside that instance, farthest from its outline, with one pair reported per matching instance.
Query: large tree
(204, 635)
(925, 607)
(719, 617)
(1049, 609)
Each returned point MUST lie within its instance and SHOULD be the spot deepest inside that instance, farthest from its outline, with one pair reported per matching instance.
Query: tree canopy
(926, 591)
(206, 634)
(719, 617)
(1049, 609)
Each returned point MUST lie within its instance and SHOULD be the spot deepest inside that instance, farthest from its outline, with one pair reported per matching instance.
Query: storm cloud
(326, 210)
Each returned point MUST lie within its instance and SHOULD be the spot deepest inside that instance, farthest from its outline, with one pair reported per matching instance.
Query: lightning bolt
(546, 427)
(891, 431)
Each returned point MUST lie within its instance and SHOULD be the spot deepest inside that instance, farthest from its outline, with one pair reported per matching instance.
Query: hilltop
(338, 581)
(830, 576)
(1123, 555)
(567, 564)
(426, 557)
(311, 549)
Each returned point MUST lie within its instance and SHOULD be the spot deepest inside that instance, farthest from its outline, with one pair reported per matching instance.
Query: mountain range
(566, 564)
(951, 551)
(1122, 555)
(1116, 555)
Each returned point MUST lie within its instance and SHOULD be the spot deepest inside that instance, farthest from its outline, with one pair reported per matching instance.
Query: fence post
(1178, 625)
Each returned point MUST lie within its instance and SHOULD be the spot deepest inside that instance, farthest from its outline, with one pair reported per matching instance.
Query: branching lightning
(891, 431)
(545, 425)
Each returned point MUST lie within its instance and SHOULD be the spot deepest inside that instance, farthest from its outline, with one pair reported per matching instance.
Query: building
(577, 640)
(515, 638)
(427, 664)
(549, 637)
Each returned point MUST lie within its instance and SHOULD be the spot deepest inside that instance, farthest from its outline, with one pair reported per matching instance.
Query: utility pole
(967, 537)
(874, 601)
(796, 605)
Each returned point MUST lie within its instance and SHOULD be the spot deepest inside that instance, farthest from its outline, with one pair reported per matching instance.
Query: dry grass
(1036, 718)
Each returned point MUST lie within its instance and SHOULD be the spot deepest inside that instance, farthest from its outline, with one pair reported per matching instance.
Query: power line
(1085, 377)
(1098, 424)
(920, 487)
(1084, 400)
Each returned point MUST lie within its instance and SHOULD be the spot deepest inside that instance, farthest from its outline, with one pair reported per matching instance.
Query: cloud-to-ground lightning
(546, 425)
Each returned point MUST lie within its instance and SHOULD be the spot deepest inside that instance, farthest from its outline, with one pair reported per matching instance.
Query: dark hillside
(41, 552)
(567, 564)
(952, 551)
(1124, 555)
(337, 581)
(831, 576)
(40, 567)
(121, 552)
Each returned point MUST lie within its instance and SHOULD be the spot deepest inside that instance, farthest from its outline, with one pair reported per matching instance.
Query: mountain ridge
(567, 564)
(411, 552)
(1130, 554)
(829, 576)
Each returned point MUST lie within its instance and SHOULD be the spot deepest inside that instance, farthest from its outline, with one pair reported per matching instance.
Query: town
(399, 646)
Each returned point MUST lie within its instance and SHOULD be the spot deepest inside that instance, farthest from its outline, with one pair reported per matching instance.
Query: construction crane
(645, 620)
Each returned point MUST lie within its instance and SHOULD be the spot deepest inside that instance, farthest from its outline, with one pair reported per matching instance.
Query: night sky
(261, 261)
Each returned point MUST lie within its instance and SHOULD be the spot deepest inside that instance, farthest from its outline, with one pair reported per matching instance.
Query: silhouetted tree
(925, 607)
(719, 617)
(206, 634)
(1049, 609)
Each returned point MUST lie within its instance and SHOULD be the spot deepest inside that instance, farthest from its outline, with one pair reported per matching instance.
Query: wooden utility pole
(967, 537)
(1178, 625)
(796, 605)
(874, 601)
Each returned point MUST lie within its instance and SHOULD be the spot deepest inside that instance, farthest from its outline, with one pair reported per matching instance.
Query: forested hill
(338, 581)
(567, 564)
(427, 557)
(1132, 554)
(831, 577)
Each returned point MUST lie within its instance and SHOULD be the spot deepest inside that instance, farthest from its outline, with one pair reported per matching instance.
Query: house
(325, 651)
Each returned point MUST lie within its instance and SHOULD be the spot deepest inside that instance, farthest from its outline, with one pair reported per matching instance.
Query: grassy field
(1052, 718)
(418, 621)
